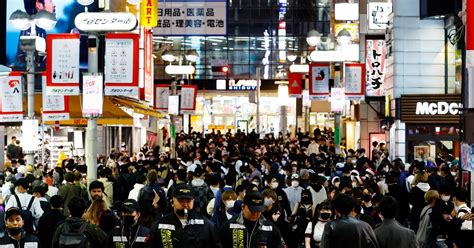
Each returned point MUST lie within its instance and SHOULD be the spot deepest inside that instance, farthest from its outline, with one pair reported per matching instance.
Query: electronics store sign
(192, 17)
(242, 84)
(438, 108)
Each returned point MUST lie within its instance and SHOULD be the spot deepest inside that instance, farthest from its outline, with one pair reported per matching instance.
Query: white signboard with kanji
(63, 64)
(55, 107)
(188, 99)
(375, 67)
(162, 92)
(378, 13)
(11, 98)
(192, 17)
(354, 81)
(92, 95)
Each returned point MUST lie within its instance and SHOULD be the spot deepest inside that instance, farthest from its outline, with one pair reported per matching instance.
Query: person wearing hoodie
(318, 189)
(417, 198)
(94, 235)
(137, 187)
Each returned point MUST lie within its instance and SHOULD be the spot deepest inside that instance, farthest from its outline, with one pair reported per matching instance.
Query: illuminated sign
(242, 85)
(438, 108)
(105, 21)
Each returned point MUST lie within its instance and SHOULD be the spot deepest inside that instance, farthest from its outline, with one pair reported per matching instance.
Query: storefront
(432, 125)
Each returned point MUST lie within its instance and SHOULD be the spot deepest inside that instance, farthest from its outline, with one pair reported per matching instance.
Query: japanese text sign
(354, 81)
(192, 17)
(162, 92)
(11, 98)
(62, 64)
(337, 99)
(55, 107)
(149, 13)
(121, 70)
(105, 21)
(378, 13)
(188, 99)
(375, 67)
(319, 74)
(92, 95)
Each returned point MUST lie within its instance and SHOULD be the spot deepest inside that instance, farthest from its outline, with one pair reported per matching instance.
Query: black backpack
(26, 214)
(70, 238)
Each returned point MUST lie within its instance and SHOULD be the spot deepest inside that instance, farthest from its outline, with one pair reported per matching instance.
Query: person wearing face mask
(315, 227)
(129, 234)
(75, 224)
(15, 235)
(226, 210)
(282, 199)
(302, 215)
(293, 192)
(275, 213)
(184, 227)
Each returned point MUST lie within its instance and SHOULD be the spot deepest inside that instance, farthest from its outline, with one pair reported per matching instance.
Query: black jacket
(26, 238)
(96, 237)
(198, 233)
(234, 234)
(136, 237)
(348, 231)
(47, 223)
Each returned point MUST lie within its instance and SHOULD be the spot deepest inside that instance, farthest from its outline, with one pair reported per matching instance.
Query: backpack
(26, 214)
(202, 195)
(70, 238)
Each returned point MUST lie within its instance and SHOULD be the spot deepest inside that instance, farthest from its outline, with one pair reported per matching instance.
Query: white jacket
(135, 191)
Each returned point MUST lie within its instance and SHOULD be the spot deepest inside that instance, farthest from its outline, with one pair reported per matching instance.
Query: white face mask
(274, 185)
(229, 204)
(453, 173)
(295, 184)
(267, 202)
(255, 183)
(354, 184)
(336, 184)
(445, 198)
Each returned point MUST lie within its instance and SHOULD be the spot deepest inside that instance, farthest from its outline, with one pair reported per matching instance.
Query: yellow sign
(149, 13)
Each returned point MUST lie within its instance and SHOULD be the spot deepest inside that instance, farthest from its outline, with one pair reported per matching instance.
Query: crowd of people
(238, 190)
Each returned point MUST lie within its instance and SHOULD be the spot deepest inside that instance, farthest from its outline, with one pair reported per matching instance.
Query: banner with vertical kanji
(319, 74)
(375, 67)
(354, 81)
(295, 84)
(162, 93)
(188, 99)
(11, 98)
(55, 107)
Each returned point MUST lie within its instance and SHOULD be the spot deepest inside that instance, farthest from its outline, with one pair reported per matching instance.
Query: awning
(137, 106)
(112, 114)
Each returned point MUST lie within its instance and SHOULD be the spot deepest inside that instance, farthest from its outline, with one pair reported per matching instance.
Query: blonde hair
(431, 196)
(95, 211)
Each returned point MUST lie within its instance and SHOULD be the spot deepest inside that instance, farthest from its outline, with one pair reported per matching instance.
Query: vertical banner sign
(295, 84)
(319, 74)
(375, 67)
(29, 132)
(162, 92)
(354, 81)
(188, 99)
(55, 107)
(92, 94)
(121, 60)
(469, 33)
(337, 99)
(11, 98)
(378, 15)
(467, 156)
(146, 92)
(192, 17)
(62, 64)
(148, 13)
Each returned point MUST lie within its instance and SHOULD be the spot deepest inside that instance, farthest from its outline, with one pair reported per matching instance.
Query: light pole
(32, 45)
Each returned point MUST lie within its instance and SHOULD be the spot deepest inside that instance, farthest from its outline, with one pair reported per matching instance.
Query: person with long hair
(95, 211)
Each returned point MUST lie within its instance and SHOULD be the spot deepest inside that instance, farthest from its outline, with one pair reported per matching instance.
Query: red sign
(319, 74)
(147, 89)
(11, 98)
(469, 25)
(295, 84)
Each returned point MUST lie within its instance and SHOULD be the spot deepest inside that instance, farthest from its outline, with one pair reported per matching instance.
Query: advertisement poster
(64, 10)
(378, 13)
(192, 17)
(121, 65)
(375, 68)
(467, 157)
(295, 84)
(188, 99)
(354, 81)
(92, 95)
(162, 92)
(337, 99)
(29, 132)
(319, 74)
(149, 13)
(55, 107)
(352, 28)
(11, 98)
(421, 153)
(63, 64)
(147, 88)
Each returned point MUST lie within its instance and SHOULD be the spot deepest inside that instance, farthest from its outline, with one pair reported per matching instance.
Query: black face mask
(128, 220)
(324, 216)
(15, 231)
(181, 212)
(305, 200)
(367, 198)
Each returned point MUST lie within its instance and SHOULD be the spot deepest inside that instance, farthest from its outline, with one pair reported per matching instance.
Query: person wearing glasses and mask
(184, 227)
(129, 234)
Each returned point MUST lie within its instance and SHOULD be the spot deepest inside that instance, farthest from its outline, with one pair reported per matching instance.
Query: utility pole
(337, 115)
(258, 99)
(91, 131)
(30, 79)
(174, 91)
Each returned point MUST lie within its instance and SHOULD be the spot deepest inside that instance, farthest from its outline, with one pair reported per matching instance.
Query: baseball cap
(11, 211)
(130, 205)
(22, 182)
(183, 191)
(254, 201)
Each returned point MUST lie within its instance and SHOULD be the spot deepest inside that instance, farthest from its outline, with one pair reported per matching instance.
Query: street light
(344, 37)
(30, 45)
(313, 38)
(192, 55)
(168, 56)
(291, 56)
